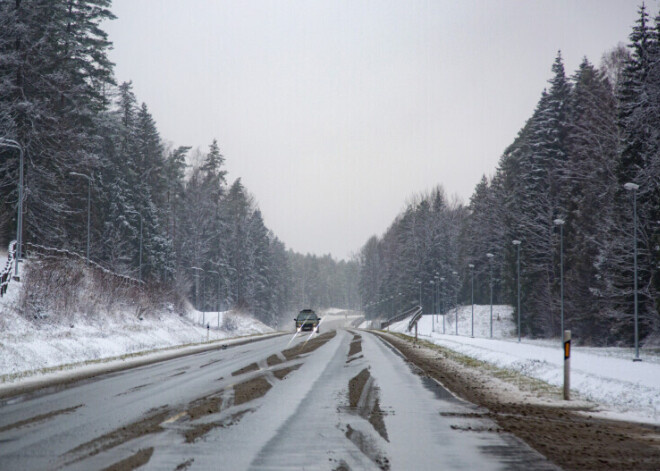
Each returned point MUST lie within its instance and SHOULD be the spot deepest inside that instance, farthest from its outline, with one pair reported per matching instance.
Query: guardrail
(413, 322)
(401, 316)
(5, 274)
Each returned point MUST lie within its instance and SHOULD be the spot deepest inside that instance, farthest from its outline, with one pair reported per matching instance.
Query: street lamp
(490, 263)
(19, 218)
(560, 223)
(217, 294)
(432, 283)
(89, 204)
(456, 295)
(633, 187)
(436, 293)
(517, 244)
(442, 302)
(140, 259)
(197, 270)
(420, 293)
(472, 276)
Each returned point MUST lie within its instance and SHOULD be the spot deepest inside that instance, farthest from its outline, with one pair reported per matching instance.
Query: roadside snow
(624, 389)
(30, 346)
(332, 310)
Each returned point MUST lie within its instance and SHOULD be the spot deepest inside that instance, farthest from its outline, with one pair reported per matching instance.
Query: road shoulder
(565, 432)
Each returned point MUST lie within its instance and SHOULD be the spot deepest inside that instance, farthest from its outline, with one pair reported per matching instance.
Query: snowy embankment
(608, 377)
(30, 346)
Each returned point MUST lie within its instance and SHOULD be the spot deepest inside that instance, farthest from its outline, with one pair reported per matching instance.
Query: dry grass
(61, 289)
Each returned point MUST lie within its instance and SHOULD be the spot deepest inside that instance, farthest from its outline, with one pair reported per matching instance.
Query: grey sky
(334, 113)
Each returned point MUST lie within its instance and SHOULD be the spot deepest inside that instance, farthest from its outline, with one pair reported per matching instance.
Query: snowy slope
(606, 376)
(28, 346)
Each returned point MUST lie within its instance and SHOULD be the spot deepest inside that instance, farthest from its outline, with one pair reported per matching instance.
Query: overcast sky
(334, 113)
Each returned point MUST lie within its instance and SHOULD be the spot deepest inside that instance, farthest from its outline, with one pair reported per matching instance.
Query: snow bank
(607, 376)
(36, 344)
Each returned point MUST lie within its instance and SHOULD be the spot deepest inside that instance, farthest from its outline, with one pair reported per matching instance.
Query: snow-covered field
(28, 348)
(606, 376)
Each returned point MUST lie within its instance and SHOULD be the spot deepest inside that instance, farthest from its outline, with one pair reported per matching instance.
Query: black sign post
(567, 365)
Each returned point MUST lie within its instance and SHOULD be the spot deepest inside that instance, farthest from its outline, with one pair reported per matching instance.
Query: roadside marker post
(567, 365)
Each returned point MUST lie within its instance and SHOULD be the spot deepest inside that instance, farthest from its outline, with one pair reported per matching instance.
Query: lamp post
(560, 223)
(633, 187)
(89, 205)
(490, 263)
(436, 293)
(517, 244)
(442, 302)
(217, 294)
(197, 270)
(432, 283)
(455, 273)
(472, 289)
(420, 293)
(140, 255)
(19, 218)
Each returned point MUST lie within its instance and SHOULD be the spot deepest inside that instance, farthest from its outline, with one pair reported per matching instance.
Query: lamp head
(631, 186)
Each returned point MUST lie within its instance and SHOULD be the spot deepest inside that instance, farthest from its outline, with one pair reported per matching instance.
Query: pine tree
(590, 186)
(639, 163)
(53, 71)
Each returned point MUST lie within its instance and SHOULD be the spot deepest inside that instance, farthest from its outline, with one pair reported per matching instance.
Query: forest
(567, 190)
(167, 215)
(162, 214)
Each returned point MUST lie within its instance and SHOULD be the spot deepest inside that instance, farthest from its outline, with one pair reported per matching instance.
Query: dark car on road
(308, 320)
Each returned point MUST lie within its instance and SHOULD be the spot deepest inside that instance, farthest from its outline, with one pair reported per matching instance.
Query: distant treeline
(590, 134)
(166, 215)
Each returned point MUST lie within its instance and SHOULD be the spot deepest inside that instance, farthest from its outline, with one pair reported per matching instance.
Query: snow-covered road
(343, 400)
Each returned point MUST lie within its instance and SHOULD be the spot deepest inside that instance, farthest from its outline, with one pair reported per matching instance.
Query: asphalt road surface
(341, 400)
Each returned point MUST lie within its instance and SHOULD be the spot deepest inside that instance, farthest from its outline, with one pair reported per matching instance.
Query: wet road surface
(342, 400)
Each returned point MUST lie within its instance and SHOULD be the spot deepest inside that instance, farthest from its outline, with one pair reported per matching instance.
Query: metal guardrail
(416, 316)
(399, 317)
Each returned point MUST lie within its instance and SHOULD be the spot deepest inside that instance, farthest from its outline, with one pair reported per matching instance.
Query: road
(341, 400)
